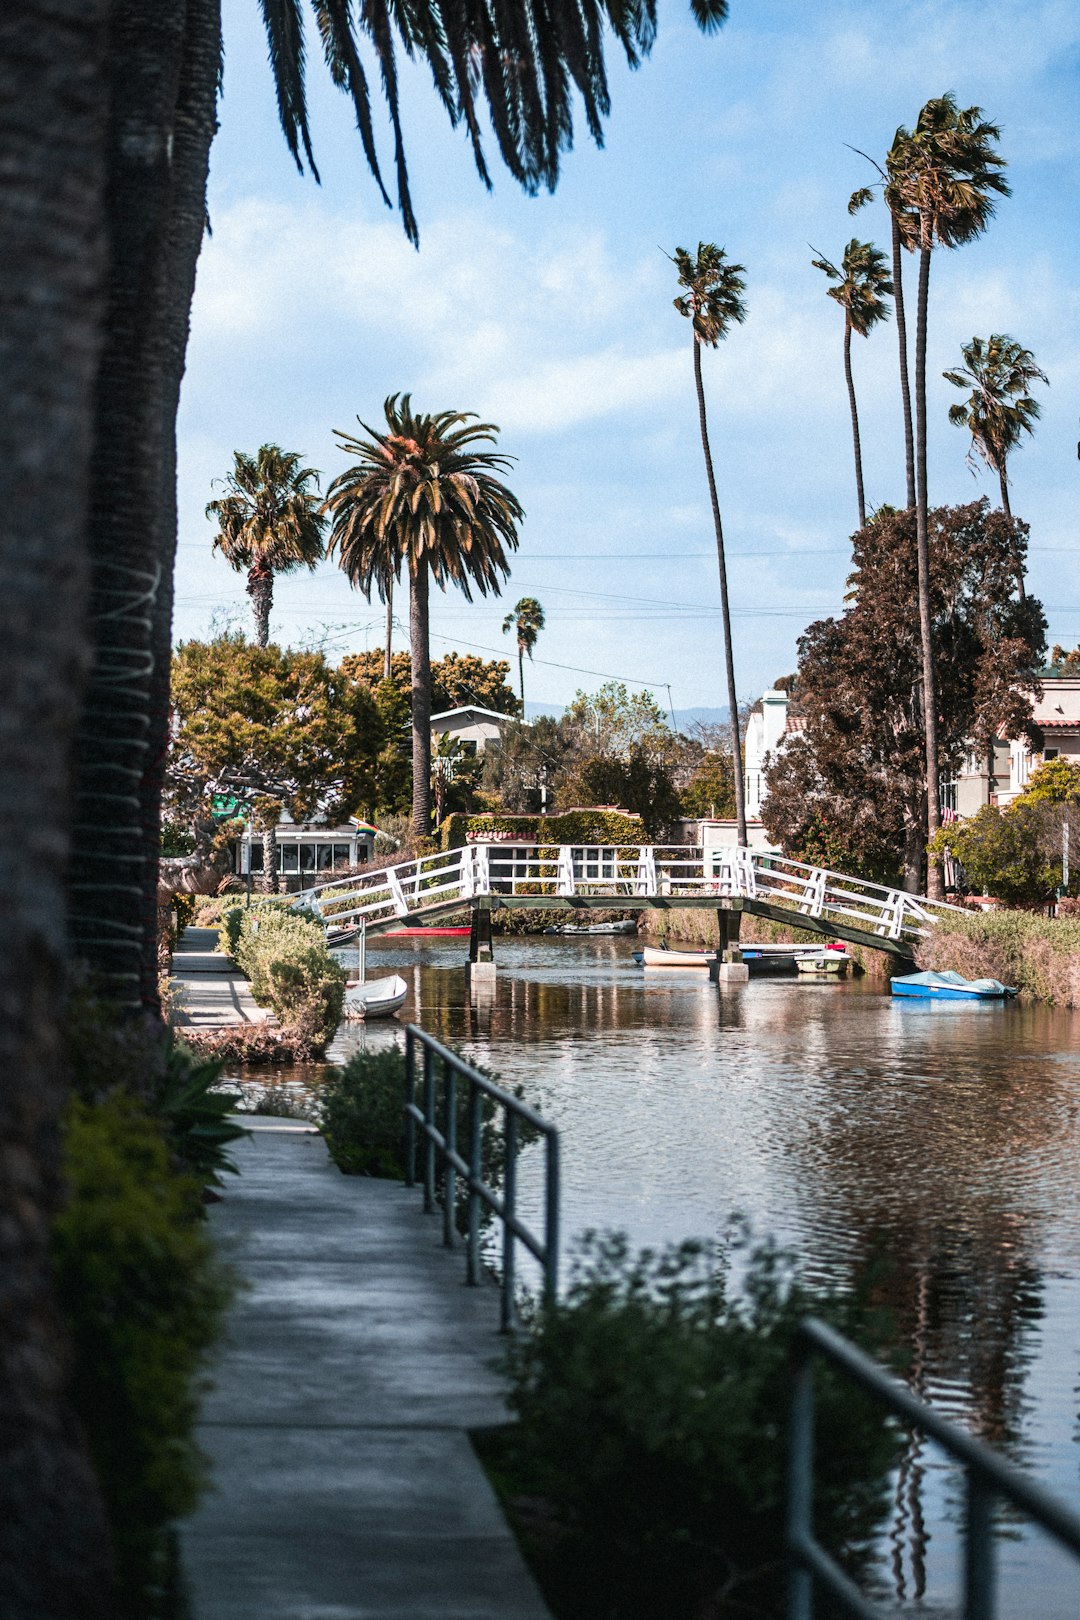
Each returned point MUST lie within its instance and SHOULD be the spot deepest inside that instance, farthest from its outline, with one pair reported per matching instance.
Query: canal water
(944, 1139)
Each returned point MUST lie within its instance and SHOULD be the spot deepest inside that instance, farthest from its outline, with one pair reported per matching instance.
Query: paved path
(210, 992)
(346, 1487)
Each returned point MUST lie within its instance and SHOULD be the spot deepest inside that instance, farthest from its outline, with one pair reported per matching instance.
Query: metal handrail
(441, 1140)
(988, 1476)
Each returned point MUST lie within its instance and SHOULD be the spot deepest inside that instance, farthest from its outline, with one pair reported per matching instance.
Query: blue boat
(950, 986)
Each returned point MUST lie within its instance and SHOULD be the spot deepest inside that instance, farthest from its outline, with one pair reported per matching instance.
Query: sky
(552, 317)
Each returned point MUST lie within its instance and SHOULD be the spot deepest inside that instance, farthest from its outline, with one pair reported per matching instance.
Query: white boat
(823, 964)
(375, 998)
(652, 957)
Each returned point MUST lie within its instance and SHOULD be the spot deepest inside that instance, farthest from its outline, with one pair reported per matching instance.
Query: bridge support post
(481, 964)
(732, 969)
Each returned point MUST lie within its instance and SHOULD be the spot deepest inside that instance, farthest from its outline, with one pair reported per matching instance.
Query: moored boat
(628, 926)
(375, 998)
(949, 986)
(654, 957)
(823, 964)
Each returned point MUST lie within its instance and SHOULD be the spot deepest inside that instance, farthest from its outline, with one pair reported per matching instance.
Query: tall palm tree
(526, 621)
(712, 302)
(862, 290)
(999, 410)
(423, 497)
(270, 522)
(946, 173)
(897, 211)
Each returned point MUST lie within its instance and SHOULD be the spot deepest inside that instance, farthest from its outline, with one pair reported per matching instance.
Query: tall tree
(999, 410)
(54, 1557)
(423, 497)
(526, 621)
(270, 522)
(854, 777)
(897, 213)
(946, 174)
(862, 293)
(712, 302)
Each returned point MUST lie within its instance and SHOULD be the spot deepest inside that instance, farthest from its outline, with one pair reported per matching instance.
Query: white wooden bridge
(487, 877)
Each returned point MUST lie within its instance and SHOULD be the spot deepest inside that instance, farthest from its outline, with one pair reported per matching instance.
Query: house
(1055, 733)
(472, 727)
(308, 851)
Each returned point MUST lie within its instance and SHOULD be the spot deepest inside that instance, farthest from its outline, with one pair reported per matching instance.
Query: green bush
(362, 1113)
(647, 1463)
(285, 956)
(194, 1115)
(1039, 955)
(145, 1298)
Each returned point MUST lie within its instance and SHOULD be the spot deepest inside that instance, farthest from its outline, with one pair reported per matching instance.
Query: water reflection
(942, 1138)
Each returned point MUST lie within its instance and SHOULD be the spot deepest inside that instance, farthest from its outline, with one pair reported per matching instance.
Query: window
(947, 790)
(1050, 753)
(288, 858)
(507, 864)
(307, 857)
(256, 857)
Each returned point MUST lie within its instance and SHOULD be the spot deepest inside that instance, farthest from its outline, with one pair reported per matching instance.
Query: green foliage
(1055, 781)
(362, 1115)
(457, 680)
(640, 782)
(571, 827)
(711, 788)
(1015, 854)
(232, 917)
(175, 839)
(650, 1442)
(193, 1115)
(145, 1298)
(285, 956)
(183, 909)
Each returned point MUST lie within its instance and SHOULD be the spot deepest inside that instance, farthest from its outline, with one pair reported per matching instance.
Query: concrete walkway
(209, 992)
(345, 1484)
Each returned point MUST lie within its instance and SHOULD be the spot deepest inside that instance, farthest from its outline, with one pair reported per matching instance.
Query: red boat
(427, 933)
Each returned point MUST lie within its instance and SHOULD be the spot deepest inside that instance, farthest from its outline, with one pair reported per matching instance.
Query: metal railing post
(510, 1205)
(551, 1221)
(450, 1138)
(429, 1120)
(410, 1103)
(476, 1123)
(801, 1486)
(979, 1584)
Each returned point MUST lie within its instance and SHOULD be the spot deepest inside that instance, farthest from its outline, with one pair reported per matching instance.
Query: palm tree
(527, 621)
(270, 522)
(897, 212)
(999, 409)
(712, 302)
(946, 173)
(423, 497)
(863, 288)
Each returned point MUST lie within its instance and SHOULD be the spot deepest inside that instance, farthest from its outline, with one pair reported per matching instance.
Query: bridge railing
(381, 896)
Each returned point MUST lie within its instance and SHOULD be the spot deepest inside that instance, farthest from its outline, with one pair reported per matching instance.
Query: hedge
(571, 827)
(285, 956)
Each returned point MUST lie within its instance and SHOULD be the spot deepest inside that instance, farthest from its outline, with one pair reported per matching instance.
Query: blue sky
(552, 317)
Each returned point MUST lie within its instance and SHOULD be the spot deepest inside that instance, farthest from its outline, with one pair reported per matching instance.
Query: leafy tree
(277, 730)
(1065, 663)
(526, 621)
(525, 767)
(862, 290)
(611, 721)
(422, 496)
(999, 410)
(639, 782)
(858, 767)
(1055, 781)
(1013, 854)
(457, 680)
(711, 788)
(946, 173)
(269, 522)
(713, 302)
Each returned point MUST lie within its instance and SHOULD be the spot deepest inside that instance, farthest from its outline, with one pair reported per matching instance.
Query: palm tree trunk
(725, 612)
(54, 1557)
(521, 676)
(260, 587)
(196, 122)
(1007, 509)
(934, 881)
(905, 386)
(421, 697)
(388, 655)
(107, 886)
(270, 884)
(854, 424)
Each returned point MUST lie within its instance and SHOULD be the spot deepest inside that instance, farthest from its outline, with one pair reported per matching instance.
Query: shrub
(284, 954)
(647, 1461)
(362, 1113)
(194, 1115)
(145, 1299)
(1040, 955)
(248, 1043)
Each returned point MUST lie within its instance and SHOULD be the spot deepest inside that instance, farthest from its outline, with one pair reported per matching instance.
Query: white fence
(609, 874)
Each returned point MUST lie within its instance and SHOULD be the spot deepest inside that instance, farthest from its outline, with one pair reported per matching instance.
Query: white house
(308, 851)
(472, 727)
(1056, 726)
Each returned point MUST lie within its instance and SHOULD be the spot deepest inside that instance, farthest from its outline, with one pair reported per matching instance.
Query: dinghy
(627, 927)
(950, 986)
(823, 964)
(652, 957)
(375, 998)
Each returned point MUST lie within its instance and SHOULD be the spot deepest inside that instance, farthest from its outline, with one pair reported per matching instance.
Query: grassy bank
(1040, 955)
(700, 928)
